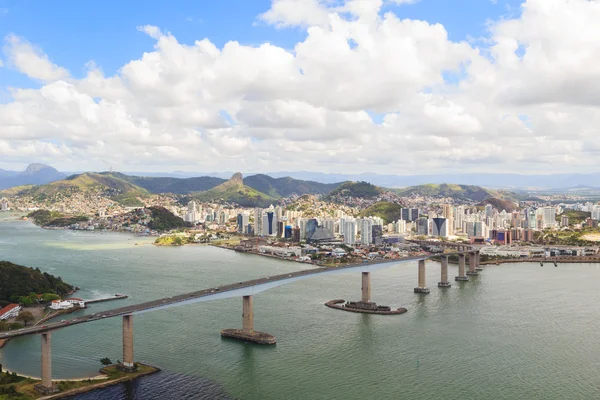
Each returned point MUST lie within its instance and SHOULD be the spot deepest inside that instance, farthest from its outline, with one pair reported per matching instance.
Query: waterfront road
(246, 288)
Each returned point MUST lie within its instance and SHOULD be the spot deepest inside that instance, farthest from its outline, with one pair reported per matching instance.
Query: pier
(115, 297)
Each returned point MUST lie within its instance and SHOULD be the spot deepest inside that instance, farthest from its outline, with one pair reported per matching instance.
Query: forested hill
(17, 281)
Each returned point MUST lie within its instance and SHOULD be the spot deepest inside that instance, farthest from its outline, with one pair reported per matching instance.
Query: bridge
(246, 290)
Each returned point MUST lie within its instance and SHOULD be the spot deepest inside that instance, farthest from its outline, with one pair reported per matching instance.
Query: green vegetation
(173, 240)
(575, 217)
(19, 281)
(389, 212)
(234, 191)
(25, 317)
(105, 361)
(362, 190)
(283, 187)
(172, 185)
(54, 219)
(110, 185)
(13, 387)
(463, 192)
(9, 326)
(164, 220)
(567, 237)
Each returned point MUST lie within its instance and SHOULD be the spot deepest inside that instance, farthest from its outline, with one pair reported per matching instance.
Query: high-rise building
(4, 204)
(311, 227)
(258, 218)
(376, 234)
(243, 221)
(440, 227)
(422, 226)
(366, 231)
(489, 210)
(564, 221)
(448, 214)
(269, 224)
(350, 232)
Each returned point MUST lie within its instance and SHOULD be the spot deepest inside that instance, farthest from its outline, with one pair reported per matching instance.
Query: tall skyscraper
(448, 214)
(440, 227)
(422, 226)
(366, 231)
(350, 232)
(258, 218)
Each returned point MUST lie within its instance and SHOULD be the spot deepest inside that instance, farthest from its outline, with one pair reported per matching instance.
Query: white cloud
(31, 61)
(527, 100)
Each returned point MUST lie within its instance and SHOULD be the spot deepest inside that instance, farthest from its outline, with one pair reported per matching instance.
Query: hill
(575, 217)
(18, 281)
(172, 185)
(500, 204)
(35, 174)
(108, 184)
(286, 186)
(234, 191)
(389, 212)
(362, 190)
(164, 220)
(462, 192)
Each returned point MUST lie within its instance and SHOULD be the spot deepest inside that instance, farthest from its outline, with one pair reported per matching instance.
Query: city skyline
(340, 86)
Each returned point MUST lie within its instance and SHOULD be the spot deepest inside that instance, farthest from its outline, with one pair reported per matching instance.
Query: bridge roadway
(246, 288)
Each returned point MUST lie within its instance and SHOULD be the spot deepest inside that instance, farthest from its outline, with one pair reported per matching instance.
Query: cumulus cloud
(31, 61)
(363, 91)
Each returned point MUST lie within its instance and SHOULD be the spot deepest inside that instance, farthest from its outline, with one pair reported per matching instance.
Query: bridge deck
(215, 293)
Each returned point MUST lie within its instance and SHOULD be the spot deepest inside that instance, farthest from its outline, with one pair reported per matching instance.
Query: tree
(48, 297)
(105, 361)
(25, 317)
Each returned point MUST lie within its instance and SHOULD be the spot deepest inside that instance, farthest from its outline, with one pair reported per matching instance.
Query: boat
(555, 264)
(541, 263)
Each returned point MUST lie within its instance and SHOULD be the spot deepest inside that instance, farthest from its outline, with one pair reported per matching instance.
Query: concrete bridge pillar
(444, 279)
(472, 264)
(477, 261)
(422, 288)
(461, 269)
(128, 341)
(46, 387)
(366, 287)
(248, 314)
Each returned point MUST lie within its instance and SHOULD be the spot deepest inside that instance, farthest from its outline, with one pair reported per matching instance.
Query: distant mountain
(283, 187)
(462, 192)
(234, 191)
(35, 174)
(363, 190)
(489, 180)
(112, 186)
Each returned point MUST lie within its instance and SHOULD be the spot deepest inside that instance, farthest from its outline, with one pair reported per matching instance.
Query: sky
(402, 87)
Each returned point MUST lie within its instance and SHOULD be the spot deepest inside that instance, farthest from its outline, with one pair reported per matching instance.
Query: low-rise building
(10, 311)
(60, 305)
(76, 302)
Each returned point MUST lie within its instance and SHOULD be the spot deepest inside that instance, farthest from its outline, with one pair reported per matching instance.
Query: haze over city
(399, 86)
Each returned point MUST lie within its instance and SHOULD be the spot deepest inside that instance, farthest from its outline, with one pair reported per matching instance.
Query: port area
(249, 336)
(24, 388)
(362, 307)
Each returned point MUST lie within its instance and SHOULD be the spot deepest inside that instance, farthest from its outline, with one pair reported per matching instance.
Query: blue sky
(105, 31)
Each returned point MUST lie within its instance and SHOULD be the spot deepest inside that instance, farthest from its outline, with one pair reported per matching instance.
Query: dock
(115, 297)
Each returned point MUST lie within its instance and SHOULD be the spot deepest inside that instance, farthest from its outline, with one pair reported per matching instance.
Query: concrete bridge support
(444, 278)
(422, 288)
(477, 262)
(461, 269)
(366, 287)
(46, 387)
(247, 333)
(127, 365)
(472, 264)
(247, 314)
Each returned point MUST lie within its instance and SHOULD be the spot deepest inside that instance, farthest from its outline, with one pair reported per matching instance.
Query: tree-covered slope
(389, 212)
(234, 191)
(17, 280)
(363, 190)
(464, 192)
(283, 187)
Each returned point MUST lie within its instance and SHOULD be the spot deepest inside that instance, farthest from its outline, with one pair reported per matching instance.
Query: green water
(517, 332)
